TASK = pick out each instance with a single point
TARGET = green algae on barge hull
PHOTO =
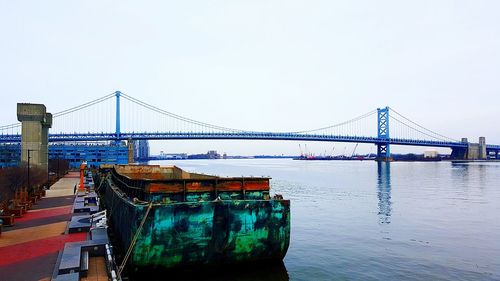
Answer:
(194, 219)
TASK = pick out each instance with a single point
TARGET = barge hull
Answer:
(200, 233)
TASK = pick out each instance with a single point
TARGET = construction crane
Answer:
(369, 153)
(333, 149)
(354, 150)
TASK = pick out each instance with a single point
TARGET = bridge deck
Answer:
(75, 137)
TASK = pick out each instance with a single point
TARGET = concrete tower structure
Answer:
(35, 131)
(482, 148)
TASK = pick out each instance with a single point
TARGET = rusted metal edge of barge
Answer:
(170, 219)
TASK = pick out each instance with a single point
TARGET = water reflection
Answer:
(460, 167)
(471, 171)
(262, 271)
(384, 191)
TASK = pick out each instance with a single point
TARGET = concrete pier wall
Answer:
(474, 151)
(482, 148)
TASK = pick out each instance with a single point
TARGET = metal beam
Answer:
(117, 128)
(383, 149)
(74, 137)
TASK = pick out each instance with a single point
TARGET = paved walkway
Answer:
(28, 250)
(65, 186)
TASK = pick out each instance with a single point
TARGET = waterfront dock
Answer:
(42, 241)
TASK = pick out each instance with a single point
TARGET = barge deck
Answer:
(169, 218)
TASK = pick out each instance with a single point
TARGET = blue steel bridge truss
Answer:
(388, 123)
(90, 137)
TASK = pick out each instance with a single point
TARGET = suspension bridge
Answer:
(118, 116)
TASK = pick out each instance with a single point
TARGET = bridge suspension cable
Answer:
(178, 117)
(100, 115)
(83, 106)
(10, 126)
(363, 126)
(361, 117)
(411, 129)
(93, 116)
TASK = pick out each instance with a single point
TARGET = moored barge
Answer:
(169, 218)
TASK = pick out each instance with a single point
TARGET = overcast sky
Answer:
(260, 65)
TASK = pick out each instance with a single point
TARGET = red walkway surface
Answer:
(28, 251)
(24, 251)
(44, 214)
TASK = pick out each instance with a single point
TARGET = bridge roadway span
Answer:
(241, 136)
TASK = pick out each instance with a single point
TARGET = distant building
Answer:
(172, 156)
(431, 153)
(141, 150)
(10, 155)
(211, 154)
(94, 153)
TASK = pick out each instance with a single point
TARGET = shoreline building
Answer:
(141, 151)
(94, 154)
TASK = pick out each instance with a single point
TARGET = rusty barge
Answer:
(169, 218)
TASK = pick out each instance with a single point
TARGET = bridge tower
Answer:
(117, 127)
(473, 151)
(383, 147)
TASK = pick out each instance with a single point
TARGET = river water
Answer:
(362, 220)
